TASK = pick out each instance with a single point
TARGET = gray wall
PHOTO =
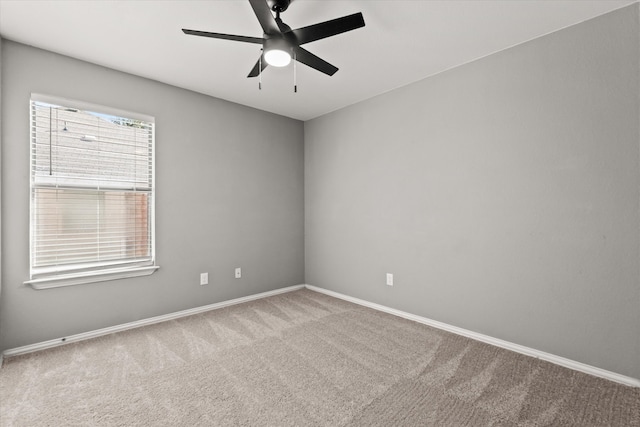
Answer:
(229, 194)
(502, 194)
(0, 173)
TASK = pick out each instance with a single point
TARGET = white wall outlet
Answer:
(238, 272)
(389, 279)
(204, 278)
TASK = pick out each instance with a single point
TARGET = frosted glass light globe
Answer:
(277, 57)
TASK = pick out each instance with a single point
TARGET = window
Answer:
(92, 194)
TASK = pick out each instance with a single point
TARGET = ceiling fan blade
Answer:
(328, 28)
(265, 17)
(255, 71)
(313, 61)
(224, 36)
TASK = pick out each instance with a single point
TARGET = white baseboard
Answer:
(144, 322)
(558, 360)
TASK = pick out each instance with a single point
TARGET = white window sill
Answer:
(90, 277)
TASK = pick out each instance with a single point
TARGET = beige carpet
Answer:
(299, 359)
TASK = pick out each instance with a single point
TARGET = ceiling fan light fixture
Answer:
(277, 57)
(277, 52)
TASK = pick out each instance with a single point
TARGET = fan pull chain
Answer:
(295, 76)
(260, 71)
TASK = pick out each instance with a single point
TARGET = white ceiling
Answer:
(403, 41)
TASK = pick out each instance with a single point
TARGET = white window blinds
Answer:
(92, 191)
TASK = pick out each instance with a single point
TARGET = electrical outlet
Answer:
(238, 273)
(389, 279)
(204, 278)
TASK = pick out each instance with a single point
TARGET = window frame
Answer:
(53, 277)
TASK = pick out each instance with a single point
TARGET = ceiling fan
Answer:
(281, 44)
